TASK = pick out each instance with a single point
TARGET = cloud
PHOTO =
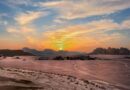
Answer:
(20, 30)
(29, 17)
(126, 24)
(28, 34)
(73, 9)
(23, 26)
(90, 34)
(20, 2)
(94, 26)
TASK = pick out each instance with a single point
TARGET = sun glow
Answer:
(61, 42)
(60, 45)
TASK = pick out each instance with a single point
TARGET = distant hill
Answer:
(51, 53)
(66, 55)
(112, 51)
(6, 52)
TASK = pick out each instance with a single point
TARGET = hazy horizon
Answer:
(69, 25)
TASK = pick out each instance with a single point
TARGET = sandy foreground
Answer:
(27, 75)
(19, 79)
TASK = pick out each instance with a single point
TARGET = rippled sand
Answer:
(19, 79)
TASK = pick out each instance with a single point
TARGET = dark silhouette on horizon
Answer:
(7, 52)
(112, 51)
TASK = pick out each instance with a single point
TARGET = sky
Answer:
(73, 25)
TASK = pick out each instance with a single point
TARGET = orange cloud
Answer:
(78, 37)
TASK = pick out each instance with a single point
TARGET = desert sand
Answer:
(19, 79)
(26, 74)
